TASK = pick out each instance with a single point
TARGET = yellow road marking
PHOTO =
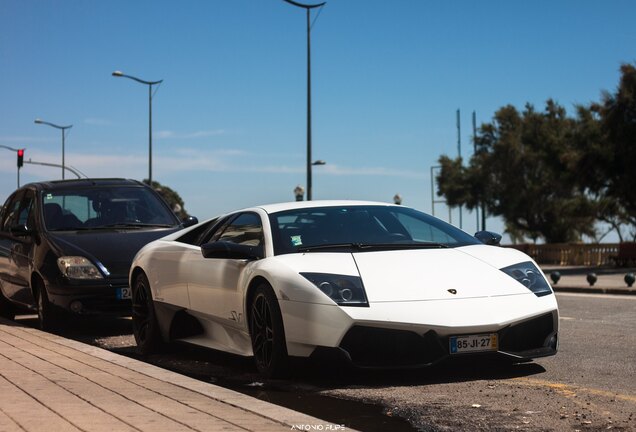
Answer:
(571, 390)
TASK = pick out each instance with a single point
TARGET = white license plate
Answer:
(123, 293)
(473, 343)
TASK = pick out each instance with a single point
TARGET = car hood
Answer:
(423, 274)
(112, 250)
(432, 274)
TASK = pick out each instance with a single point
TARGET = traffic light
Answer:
(20, 158)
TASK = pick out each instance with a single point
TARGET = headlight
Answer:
(528, 275)
(77, 267)
(344, 290)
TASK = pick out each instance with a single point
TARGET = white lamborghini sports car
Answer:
(381, 285)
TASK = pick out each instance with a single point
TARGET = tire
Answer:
(267, 333)
(7, 309)
(144, 318)
(49, 318)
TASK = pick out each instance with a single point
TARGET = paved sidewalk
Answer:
(574, 279)
(50, 384)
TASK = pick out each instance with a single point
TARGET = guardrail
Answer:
(567, 254)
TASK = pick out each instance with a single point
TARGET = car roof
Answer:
(294, 205)
(82, 183)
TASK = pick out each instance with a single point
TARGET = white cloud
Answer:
(8, 140)
(166, 134)
(97, 121)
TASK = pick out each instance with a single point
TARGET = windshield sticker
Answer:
(49, 196)
(296, 240)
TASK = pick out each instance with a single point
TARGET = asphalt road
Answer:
(589, 385)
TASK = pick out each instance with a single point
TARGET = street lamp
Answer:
(63, 128)
(149, 84)
(308, 9)
(299, 191)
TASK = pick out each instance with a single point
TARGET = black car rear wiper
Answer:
(372, 246)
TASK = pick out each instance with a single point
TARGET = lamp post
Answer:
(149, 84)
(308, 9)
(299, 191)
(63, 129)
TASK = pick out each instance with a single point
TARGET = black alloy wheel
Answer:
(6, 308)
(144, 320)
(48, 317)
(267, 333)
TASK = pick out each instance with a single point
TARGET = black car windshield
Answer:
(104, 207)
(361, 228)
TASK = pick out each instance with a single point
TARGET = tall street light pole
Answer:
(63, 129)
(308, 9)
(149, 84)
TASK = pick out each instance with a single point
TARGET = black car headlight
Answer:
(344, 290)
(528, 275)
(78, 267)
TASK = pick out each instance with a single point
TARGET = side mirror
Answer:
(228, 250)
(189, 221)
(488, 238)
(20, 231)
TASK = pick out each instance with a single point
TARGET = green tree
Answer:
(171, 197)
(524, 170)
(616, 162)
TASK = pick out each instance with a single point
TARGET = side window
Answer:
(25, 214)
(194, 235)
(213, 233)
(11, 212)
(246, 229)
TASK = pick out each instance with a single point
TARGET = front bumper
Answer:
(374, 347)
(91, 299)
(404, 334)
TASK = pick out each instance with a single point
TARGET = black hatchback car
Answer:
(67, 245)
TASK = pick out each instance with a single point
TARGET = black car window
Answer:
(104, 206)
(215, 231)
(10, 211)
(194, 235)
(19, 211)
(25, 215)
(246, 229)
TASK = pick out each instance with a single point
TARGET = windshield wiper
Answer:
(133, 225)
(69, 229)
(332, 246)
(372, 246)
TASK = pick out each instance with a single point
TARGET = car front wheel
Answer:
(267, 333)
(144, 319)
(49, 318)
(6, 308)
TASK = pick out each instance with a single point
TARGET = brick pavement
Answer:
(49, 384)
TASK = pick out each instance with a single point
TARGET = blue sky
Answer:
(229, 120)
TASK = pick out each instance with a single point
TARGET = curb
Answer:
(595, 290)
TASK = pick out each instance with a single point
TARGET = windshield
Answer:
(361, 228)
(104, 207)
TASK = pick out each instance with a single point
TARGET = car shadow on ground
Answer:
(115, 334)
(308, 379)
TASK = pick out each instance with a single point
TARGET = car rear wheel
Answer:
(144, 319)
(267, 333)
